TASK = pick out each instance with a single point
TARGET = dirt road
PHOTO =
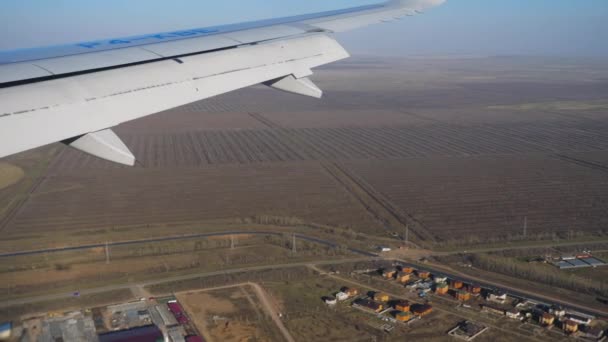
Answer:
(270, 310)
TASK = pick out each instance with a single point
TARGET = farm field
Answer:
(465, 147)
(490, 196)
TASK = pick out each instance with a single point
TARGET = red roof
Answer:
(194, 339)
(178, 312)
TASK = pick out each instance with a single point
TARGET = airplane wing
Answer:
(76, 93)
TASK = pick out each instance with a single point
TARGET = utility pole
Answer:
(107, 253)
(407, 234)
(525, 226)
(293, 244)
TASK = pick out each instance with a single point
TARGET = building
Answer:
(177, 311)
(593, 333)
(421, 309)
(440, 279)
(578, 319)
(194, 339)
(408, 270)
(341, 296)
(475, 289)
(369, 305)
(404, 316)
(493, 309)
(331, 300)
(498, 297)
(424, 274)
(350, 291)
(403, 277)
(570, 326)
(441, 288)
(463, 295)
(149, 333)
(557, 311)
(384, 249)
(457, 284)
(402, 305)
(5, 331)
(547, 319)
(513, 313)
(381, 297)
(389, 274)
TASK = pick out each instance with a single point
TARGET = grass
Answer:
(85, 301)
(9, 175)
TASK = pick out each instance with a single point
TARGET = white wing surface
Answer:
(77, 93)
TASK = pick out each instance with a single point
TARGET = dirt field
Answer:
(232, 314)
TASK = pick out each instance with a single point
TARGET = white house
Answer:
(341, 296)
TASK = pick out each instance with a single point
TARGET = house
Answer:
(424, 274)
(457, 284)
(546, 319)
(570, 326)
(403, 277)
(441, 288)
(440, 279)
(498, 297)
(593, 333)
(408, 270)
(331, 300)
(350, 291)
(578, 319)
(369, 305)
(463, 295)
(421, 309)
(474, 289)
(384, 249)
(513, 313)
(389, 274)
(404, 316)
(493, 309)
(557, 311)
(402, 305)
(381, 297)
(341, 296)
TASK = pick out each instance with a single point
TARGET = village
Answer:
(487, 301)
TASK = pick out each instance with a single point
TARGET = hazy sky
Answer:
(470, 27)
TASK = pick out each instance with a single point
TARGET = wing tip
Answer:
(416, 4)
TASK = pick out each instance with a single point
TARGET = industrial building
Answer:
(146, 333)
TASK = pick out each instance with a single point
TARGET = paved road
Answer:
(83, 292)
(176, 238)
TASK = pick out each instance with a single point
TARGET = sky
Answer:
(459, 27)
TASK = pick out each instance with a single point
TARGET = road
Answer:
(84, 292)
(396, 296)
(265, 302)
(176, 238)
